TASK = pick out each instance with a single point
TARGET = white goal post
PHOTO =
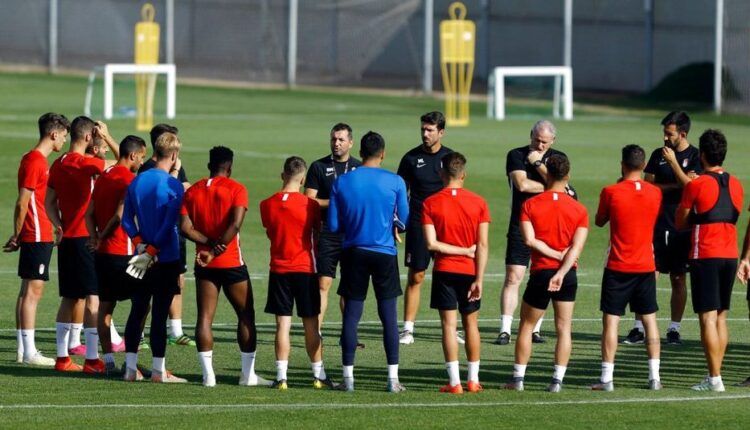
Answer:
(496, 88)
(109, 70)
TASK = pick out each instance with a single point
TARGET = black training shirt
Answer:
(689, 160)
(421, 172)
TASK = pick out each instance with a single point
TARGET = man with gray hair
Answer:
(527, 176)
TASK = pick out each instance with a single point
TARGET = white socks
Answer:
(653, 369)
(409, 326)
(92, 343)
(473, 374)
(674, 325)
(248, 363)
(75, 335)
(159, 365)
(109, 358)
(538, 326)
(505, 323)
(281, 368)
(28, 345)
(393, 371)
(714, 379)
(175, 327)
(519, 370)
(62, 336)
(206, 360)
(131, 360)
(639, 325)
(453, 376)
(608, 372)
(559, 372)
(113, 335)
(318, 371)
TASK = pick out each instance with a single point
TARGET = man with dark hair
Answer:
(68, 194)
(670, 168)
(32, 234)
(363, 206)
(629, 276)
(323, 172)
(710, 206)
(176, 334)
(153, 198)
(113, 248)
(212, 214)
(456, 228)
(292, 220)
(420, 169)
(527, 176)
(554, 227)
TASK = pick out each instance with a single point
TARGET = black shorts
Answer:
(671, 250)
(711, 282)
(450, 291)
(75, 265)
(223, 277)
(329, 252)
(536, 294)
(620, 289)
(357, 265)
(416, 257)
(516, 251)
(284, 289)
(114, 284)
(33, 261)
(183, 254)
(161, 277)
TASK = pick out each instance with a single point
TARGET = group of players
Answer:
(121, 237)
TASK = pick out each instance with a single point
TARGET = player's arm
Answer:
(529, 238)
(671, 158)
(571, 256)
(681, 218)
(522, 183)
(53, 212)
(743, 270)
(102, 131)
(313, 194)
(91, 226)
(235, 224)
(682, 214)
(189, 231)
(602, 214)
(482, 254)
(434, 245)
(19, 215)
(113, 222)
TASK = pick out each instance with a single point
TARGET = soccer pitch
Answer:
(263, 127)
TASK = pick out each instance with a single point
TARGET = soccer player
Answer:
(363, 205)
(320, 178)
(456, 228)
(71, 179)
(292, 220)
(526, 168)
(710, 206)
(420, 169)
(670, 168)
(554, 227)
(212, 214)
(32, 234)
(629, 276)
(176, 334)
(153, 198)
(113, 248)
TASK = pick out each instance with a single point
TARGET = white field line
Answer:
(405, 405)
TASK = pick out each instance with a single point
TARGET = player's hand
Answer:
(556, 282)
(101, 130)
(692, 175)
(139, 264)
(669, 155)
(203, 258)
(534, 156)
(743, 271)
(472, 250)
(11, 245)
(475, 291)
(93, 243)
(58, 235)
(176, 168)
(218, 249)
(562, 254)
(140, 248)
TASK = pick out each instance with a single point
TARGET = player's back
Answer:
(72, 178)
(290, 219)
(109, 190)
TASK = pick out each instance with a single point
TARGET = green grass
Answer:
(265, 126)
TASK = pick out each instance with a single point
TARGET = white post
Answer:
(52, 60)
(718, 60)
(568, 38)
(107, 92)
(568, 94)
(556, 97)
(170, 31)
(499, 94)
(428, 37)
(171, 91)
(291, 59)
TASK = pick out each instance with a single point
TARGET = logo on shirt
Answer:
(420, 163)
(330, 171)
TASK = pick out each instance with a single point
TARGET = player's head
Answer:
(713, 147)
(54, 127)
(633, 158)
(543, 135)
(160, 129)
(82, 131)
(453, 167)
(294, 170)
(432, 128)
(372, 146)
(676, 128)
(341, 140)
(167, 147)
(132, 152)
(558, 168)
(220, 159)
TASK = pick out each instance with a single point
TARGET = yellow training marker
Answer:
(457, 36)
(146, 52)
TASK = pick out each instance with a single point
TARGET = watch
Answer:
(537, 163)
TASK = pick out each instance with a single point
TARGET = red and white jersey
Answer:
(290, 220)
(109, 191)
(209, 204)
(72, 177)
(33, 175)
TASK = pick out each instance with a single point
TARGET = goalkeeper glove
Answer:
(139, 264)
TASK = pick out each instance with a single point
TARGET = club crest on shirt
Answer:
(684, 163)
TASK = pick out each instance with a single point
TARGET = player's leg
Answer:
(653, 349)
(78, 310)
(387, 287)
(355, 280)
(30, 296)
(280, 303)
(417, 259)
(239, 292)
(677, 303)
(509, 300)
(529, 317)
(163, 279)
(324, 286)
(93, 363)
(206, 297)
(19, 335)
(470, 321)
(176, 334)
(746, 382)
(448, 321)
(563, 328)
(139, 308)
(64, 323)
(307, 298)
(610, 323)
(282, 346)
(103, 321)
(327, 260)
(706, 282)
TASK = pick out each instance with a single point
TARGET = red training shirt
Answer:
(33, 175)
(209, 203)
(290, 219)
(632, 208)
(555, 216)
(72, 178)
(456, 214)
(109, 191)
(716, 240)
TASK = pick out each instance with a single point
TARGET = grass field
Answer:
(264, 127)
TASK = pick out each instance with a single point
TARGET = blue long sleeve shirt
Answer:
(152, 206)
(362, 206)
